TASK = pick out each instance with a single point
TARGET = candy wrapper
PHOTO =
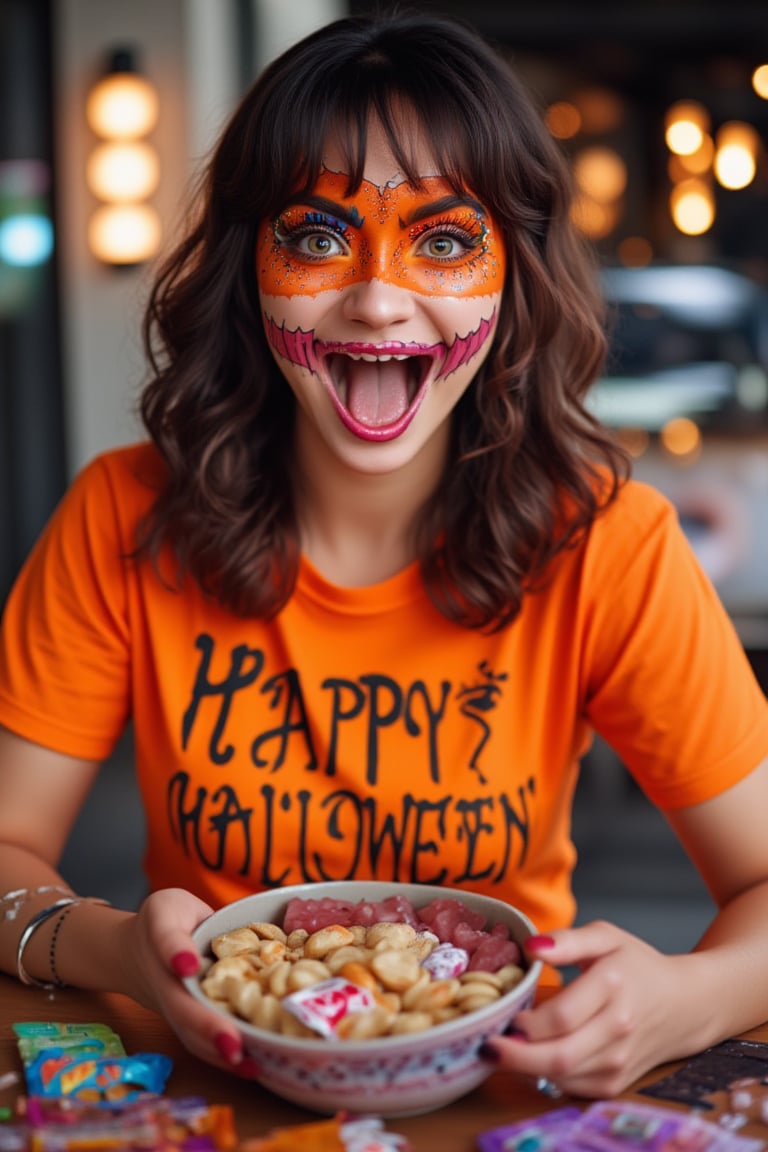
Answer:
(615, 1126)
(446, 961)
(323, 1006)
(623, 1126)
(160, 1124)
(87, 1061)
(74, 1040)
(363, 1134)
(539, 1134)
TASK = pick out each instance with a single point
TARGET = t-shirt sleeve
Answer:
(64, 639)
(669, 684)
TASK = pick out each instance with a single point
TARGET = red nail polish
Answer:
(185, 963)
(538, 942)
(228, 1046)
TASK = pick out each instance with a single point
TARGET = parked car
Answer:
(685, 341)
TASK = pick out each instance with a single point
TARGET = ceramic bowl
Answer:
(390, 1075)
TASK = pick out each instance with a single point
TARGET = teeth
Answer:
(372, 357)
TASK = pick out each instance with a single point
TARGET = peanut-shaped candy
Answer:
(325, 940)
(239, 940)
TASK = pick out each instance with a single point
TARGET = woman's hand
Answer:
(159, 951)
(623, 1014)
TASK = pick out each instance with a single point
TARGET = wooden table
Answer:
(500, 1100)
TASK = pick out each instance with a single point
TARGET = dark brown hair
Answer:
(529, 468)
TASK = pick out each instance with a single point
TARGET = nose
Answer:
(378, 303)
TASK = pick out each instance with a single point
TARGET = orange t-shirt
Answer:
(360, 734)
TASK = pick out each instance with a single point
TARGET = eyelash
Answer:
(289, 235)
(469, 230)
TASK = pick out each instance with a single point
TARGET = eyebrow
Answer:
(352, 217)
(349, 215)
(444, 204)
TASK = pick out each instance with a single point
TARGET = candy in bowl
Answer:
(367, 996)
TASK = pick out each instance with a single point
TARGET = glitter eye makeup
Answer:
(311, 236)
(429, 239)
(450, 239)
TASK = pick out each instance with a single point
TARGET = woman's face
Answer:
(381, 306)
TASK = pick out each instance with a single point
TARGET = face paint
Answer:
(428, 240)
(381, 306)
(300, 347)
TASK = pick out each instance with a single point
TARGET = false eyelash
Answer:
(469, 228)
(309, 222)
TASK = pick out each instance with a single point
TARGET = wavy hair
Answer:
(529, 466)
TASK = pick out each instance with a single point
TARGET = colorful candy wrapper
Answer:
(539, 1134)
(159, 1124)
(362, 1134)
(624, 1126)
(87, 1061)
(615, 1126)
(322, 1006)
(446, 961)
(38, 1036)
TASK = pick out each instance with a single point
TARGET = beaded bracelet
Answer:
(57, 980)
(36, 922)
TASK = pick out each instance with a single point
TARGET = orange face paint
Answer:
(427, 240)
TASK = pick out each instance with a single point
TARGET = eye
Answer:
(450, 241)
(317, 245)
(442, 246)
(313, 237)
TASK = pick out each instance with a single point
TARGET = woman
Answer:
(376, 574)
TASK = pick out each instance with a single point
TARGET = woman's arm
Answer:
(96, 946)
(41, 793)
(631, 1007)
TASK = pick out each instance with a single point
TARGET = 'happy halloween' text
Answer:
(218, 825)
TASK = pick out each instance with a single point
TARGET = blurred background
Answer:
(107, 112)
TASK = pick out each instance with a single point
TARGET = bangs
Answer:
(405, 119)
(330, 87)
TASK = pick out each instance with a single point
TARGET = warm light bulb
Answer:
(692, 207)
(124, 233)
(563, 120)
(123, 172)
(600, 173)
(681, 437)
(735, 152)
(122, 106)
(685, 125)
(760, 81)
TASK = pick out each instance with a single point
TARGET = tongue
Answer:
(377, 393)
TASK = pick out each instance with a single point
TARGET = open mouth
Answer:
(378, 389)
